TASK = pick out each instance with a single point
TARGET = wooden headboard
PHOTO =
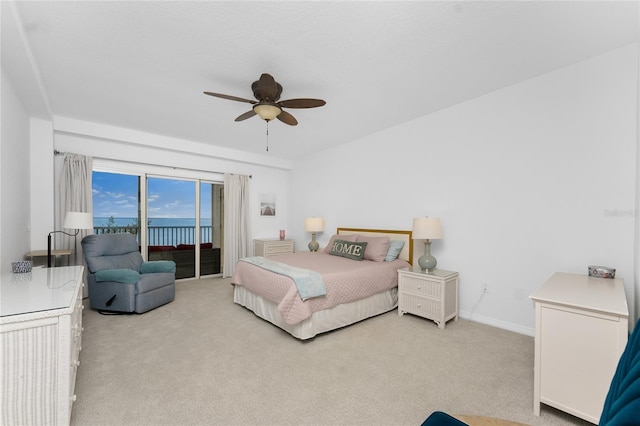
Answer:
(407, 250)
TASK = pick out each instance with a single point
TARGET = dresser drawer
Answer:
(422, 306)
(421, 287)
(273, 249)
(268, 248)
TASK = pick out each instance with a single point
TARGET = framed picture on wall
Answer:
(268, 205)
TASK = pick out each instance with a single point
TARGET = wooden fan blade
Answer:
(266, 89)
(302, 103)
(287, 118)
(246, 115)
(231, 98)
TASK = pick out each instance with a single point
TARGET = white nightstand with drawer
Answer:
(268, 248)
(431, 295)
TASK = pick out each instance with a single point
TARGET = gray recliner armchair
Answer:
(120, 281)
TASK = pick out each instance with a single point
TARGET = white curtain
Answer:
(237, 240)
(75, 196)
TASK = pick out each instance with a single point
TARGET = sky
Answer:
(116, 195)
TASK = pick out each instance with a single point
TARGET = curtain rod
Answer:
(56, 152)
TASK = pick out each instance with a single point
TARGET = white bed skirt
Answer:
(322, 321)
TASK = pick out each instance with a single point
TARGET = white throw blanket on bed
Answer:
(309, 283)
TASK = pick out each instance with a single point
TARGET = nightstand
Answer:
(431, 295)
(268, 248)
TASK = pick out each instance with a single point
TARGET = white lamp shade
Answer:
(426, 228)
(78, 220)
(313, 224)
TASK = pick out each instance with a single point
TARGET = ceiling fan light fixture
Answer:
(267, 111)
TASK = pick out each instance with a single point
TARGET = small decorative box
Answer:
(602, 272)
(21, 266)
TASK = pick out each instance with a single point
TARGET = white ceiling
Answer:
(144, 64)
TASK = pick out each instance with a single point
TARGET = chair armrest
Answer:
(158, 266)
(126, 276)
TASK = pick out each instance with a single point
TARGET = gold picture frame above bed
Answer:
(406, 236)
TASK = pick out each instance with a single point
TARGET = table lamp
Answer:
(73, 220)
(427, 228)
(313, 225)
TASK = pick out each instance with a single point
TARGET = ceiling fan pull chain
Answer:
(267, 135)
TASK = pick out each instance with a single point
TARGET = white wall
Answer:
(527, 180)
(14, 178)
(42, 188)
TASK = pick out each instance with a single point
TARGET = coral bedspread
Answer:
(346, 280)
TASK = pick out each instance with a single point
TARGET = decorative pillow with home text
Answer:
(348, 249)
(334, 237)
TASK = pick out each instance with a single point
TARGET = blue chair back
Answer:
(622, 405)
(111, 251)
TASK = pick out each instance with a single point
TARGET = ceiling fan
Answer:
(267, 92)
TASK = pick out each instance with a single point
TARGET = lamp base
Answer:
(313, 244)
(49, 245)
(426, 261)
(49, 250)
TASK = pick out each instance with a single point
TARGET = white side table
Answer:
(39, 257)
(431, 295)
(268, 248)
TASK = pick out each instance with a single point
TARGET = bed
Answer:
(355, 290)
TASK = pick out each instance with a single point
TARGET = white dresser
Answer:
(581, 332)
(268, 248)
(40, 338)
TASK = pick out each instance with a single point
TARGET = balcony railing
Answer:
(162, 235)
(172, 243)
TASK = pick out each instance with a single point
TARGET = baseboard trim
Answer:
(516, 328)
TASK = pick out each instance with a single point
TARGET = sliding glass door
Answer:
(173, 218)
(171, 223)
(211, 195)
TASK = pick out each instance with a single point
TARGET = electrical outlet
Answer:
(518, 293)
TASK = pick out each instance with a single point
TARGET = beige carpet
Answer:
(202, 360)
